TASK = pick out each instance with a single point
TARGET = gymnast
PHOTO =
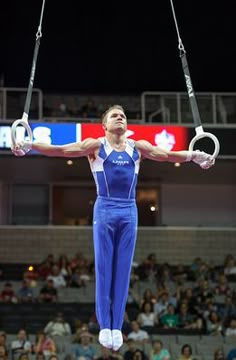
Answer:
(114, 161)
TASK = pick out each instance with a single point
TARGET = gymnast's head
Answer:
(114, 119)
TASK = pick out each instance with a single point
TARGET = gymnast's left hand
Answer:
(204, 160)
(21, 148)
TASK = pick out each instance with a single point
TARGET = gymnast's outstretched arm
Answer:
(77, 149)
(147, 150)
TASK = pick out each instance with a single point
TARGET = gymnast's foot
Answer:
(117, 339)
(105, 338)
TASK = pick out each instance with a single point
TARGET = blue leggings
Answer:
(114, 238)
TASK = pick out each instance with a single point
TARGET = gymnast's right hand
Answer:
(21, 148)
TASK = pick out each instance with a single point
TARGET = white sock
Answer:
(105, 338)
(117, 339)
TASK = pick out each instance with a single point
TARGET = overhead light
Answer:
(69, 162)
(177, 164)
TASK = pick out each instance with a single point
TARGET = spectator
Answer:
(165, 275)
(148, 268)
(25, 294)
(148, 296)
(222, 286)
(7, 295)
(84, 348)
(44, 269)
(126, 327)
(219, 354)
(231, 354)
(133, 298)
(48, 293)
(186, 353)
(78, 261)
(229, 308)
(89, 109)
(138, 355)
(157, 351)
(58, 326)
(187, 320)
(231, 328)
(161, 304)
(21, 344)
(83, 328)
(57, 277)
(147, 317)
(230, 267)
(3, 340)
(76, 279)
(169, 319)
(64, 267)
(40, 356)
(179, 274)
(137, 334)
(214, 324)
(107, 354)
(3, 352)
(132, 347)
(44, 344)
(53, 357)
(23, 356)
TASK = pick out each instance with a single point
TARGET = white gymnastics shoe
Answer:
(117, 339)
(105, 338)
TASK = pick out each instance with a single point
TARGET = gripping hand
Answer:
(203, 159)
(22, 148)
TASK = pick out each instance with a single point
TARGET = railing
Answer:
(12, 102)
(174, 107)
(216, 109)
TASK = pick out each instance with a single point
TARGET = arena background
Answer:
(109, 53)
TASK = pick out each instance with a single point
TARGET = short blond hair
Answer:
(104, 115)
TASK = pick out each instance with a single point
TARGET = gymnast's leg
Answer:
(124, 242)
(103, 251)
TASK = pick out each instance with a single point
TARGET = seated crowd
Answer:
(162, 299)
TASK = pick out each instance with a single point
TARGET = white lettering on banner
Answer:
(5, 136)
(189, 86)
(42, 134)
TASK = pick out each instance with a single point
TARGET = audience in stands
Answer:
(58, 326)
(25, 294)
(7, 295)
(3, 352)
(195, 299)
(146, 317)
(137, 334)
(186, 353)
(64, 267)
(158, 352)
(48, 292)
(219, 354)
(44, 344)
(57, 277)
(231, 328)
(83, 348)
(21, 344)
(107, 354)
(214, 324)
(169, 319)
(132, 347)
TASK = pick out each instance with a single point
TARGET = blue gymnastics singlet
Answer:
(115, 173)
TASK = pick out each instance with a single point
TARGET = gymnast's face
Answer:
(115, 121)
